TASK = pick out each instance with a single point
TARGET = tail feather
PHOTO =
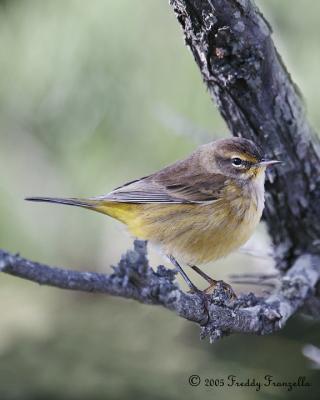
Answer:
(87, 203)
(123, 212)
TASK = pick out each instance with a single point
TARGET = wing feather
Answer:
(183, 182)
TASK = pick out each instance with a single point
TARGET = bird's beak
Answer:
(268, 163)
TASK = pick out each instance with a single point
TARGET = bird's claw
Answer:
(221, 285)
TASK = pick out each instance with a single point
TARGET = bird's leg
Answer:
(213, 282)
(192, 287)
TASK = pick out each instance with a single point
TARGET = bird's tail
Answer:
(123, 212)
(86, 203)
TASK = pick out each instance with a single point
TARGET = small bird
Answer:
(196, 210)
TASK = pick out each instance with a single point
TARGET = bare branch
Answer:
(217, 314)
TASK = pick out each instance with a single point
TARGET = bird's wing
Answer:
(173, 186)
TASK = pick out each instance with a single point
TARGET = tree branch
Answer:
(231, 43)
(217, 314)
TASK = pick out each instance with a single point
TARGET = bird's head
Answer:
(237, 158)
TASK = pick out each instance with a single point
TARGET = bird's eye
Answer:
(237, 162)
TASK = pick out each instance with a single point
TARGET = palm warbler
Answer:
(198, 209)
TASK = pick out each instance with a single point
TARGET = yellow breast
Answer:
(195, 233)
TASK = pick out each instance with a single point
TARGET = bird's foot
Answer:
(221, 285)
(215, 285)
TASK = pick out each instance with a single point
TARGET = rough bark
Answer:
(217, 314)
(231, 43)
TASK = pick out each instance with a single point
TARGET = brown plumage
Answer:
(198, 209)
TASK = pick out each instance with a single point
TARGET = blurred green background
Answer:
(93, 94)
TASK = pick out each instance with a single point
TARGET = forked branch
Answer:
(231, 43)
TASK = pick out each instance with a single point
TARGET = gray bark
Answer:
(231, 43)
(217, 314)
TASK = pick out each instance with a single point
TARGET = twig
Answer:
(313, 354)
(254, 279)
(257, 253)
